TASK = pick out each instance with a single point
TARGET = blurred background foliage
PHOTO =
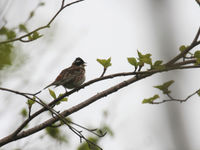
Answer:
(158, 29)
(6, 50)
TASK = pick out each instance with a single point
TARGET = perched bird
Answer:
(71, 77)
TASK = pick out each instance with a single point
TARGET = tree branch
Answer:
(104, 71)
(190, 47)
(177, 100)
(73, 109)
(171, 65)
(21, 38)
(142, 74)
(60, 116)
(17, 134)
(198, 2)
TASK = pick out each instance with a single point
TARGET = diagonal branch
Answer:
(18, 133)
(177, 100)
(74, 130)
(73, 109)
(60, 116)
(198, 2)
(141, 73)
(21, 38)
(194, 43)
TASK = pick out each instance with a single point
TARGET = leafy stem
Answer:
(27, 35)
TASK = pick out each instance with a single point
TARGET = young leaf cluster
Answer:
(163, 87)
(150, 100)
(145, 59)
(53, 95)
(9, 33)
(24, 112)
(23, 28)
(197, 56)
(182, 48)
(30, 102)
(105, 62)
(7, 48)
(34, 36)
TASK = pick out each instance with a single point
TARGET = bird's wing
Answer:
(66, 75)
(58, 79)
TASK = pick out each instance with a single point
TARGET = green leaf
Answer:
(132, 61)
(85, 146)
(35, 36)
(164, 87)
(182, 48)
(24, 112)
(52, 93)
(29, 37)
(8, 32)
(144, 58)
(65, 99)
(158, 65)
(6, 51)
(198, 61)
(3, 31)
(55, 134)
(68, 120)
(150, 100)
(197, 54)
(105, 62)
(30, 102)
(139, 54)
(11, 34)
(198, 93)
(23, 28)
(32, 13)
(108, 130)
(41, 4)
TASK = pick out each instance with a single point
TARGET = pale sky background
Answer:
(101, 29)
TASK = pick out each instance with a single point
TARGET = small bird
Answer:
(71, 77)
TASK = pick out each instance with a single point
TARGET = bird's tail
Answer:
(47, 87)
(44, 89)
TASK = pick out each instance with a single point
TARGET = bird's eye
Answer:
(78, 61)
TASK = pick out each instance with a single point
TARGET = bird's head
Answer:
(79, 62)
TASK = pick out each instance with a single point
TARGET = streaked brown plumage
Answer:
(71, 77)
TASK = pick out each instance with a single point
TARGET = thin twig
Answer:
(143, 73)
(177, 100)
(67, 112)
(17, 92)
(21, 38)
(104, 71)
(74, 130)
(89, 130)
(60, 116)
(194, 43)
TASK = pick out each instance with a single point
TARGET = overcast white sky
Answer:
(101, 29)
